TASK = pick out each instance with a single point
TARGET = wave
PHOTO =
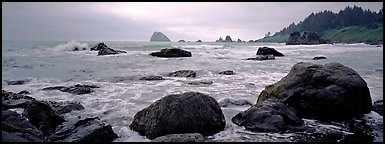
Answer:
(71, 46)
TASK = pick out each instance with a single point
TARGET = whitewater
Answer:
(121, 94)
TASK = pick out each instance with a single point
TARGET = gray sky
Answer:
(137, 21)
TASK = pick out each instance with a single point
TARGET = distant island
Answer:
(159, 37)
(351, 25)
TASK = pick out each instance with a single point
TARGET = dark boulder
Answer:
(268, 51)
(109, 51)
(77, 89)
(198, 41)
(190, 112)
(228, 39)
(12, 100)
(200, 82)
(378, 106)
(18, 82)
(24, 92)
(190, 137)
(83, 130)
(268, 116)
(99, 46)
(227, 102)
(239, 40)
(319, 57)
(152, 78)
(227, 72)
(43, 117)
(171, 52)
(182, 73)
(262, 57)
(326, 92)
(16, 128)
(181, 41)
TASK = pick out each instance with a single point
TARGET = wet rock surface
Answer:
(150, 78)
(191, 137)
(171, 52)
(77, 89)
(227, 72)
(262, 57)
(378, 107)
(231, 102)
(268, 51)
(183, 73)
(189, 112)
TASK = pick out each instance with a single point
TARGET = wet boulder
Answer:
(12, 100)
(109, 51)
(326, 92)
(190, 137)
(77, 89)
(43, 117)
(99, 46)
(189, 112)
(268, 51)
(83, 130)
(18, 82)
(183, 73)
(228, 102)
(268, 116)
(227, 72)
(171, 52)
(319, 57)
(16, 128)
(378, 106)
(64, 107)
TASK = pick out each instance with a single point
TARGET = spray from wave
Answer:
(71, 46)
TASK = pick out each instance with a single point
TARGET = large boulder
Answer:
(43, 117)
(308, 38)
(268, 51)
(159, 37)
(16, 128)
(183, 73)
(190, 112)
(12, 100)
(268, 116)
(171, 52)
(228, 102)
(326, 92)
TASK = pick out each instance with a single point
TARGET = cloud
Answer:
(137, 21)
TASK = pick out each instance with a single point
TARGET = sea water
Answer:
(121, 94)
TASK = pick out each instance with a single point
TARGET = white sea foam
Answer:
(71, 46)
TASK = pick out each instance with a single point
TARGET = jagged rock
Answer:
(160, 37)
(99, 46)
(220, 40)
(190, 112)
(152, 78)
(319, 57)
(268, 116)
(228, 39)
(268, 51)
(188, 137)
(308, 38)
(171, 52)
(198, 41)
(83, 130)
(326, 92)
(43, 117)
(181, 41)
(24, 92)
(18, 82)
(250, 41)
(239, 40)
(12, 100)
(227, 102)
(76, 89)
(228, 72)
(262, 57)
(378, 107)
(16, 128)
(182, 73)
(109, 51)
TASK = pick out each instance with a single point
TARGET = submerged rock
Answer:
(181, 41)
(262, 57)
(326, 92)
(64, 107)
(83, 130)
(18, 82)
(319, 57)
(159, 37)
(308, 38)
(76, 89)
(152, 78)
(99, 46)
(190, 112)
(268, 116)
(227, 102)
(189, 137)
(227, 72)
(378, 107)
(268, 51)
(198, 41)
(171, 52)
(200, 82)
(109, 51)
(183, 73)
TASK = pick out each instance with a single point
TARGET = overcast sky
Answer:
(130, 21)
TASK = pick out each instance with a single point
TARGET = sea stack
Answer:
(228, 39)
(159, 37)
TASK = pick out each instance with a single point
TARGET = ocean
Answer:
(121, 94)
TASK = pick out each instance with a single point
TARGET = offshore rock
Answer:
(183, 73)
(159, 37)
(325, 92)
(152, 78)
(220, 40)
(227, 72)
(268, 51)
(228, 39)
(190, 112)
(262, 57)
(319, 57)
(308, 38)
(171, 52)
(76, 89)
